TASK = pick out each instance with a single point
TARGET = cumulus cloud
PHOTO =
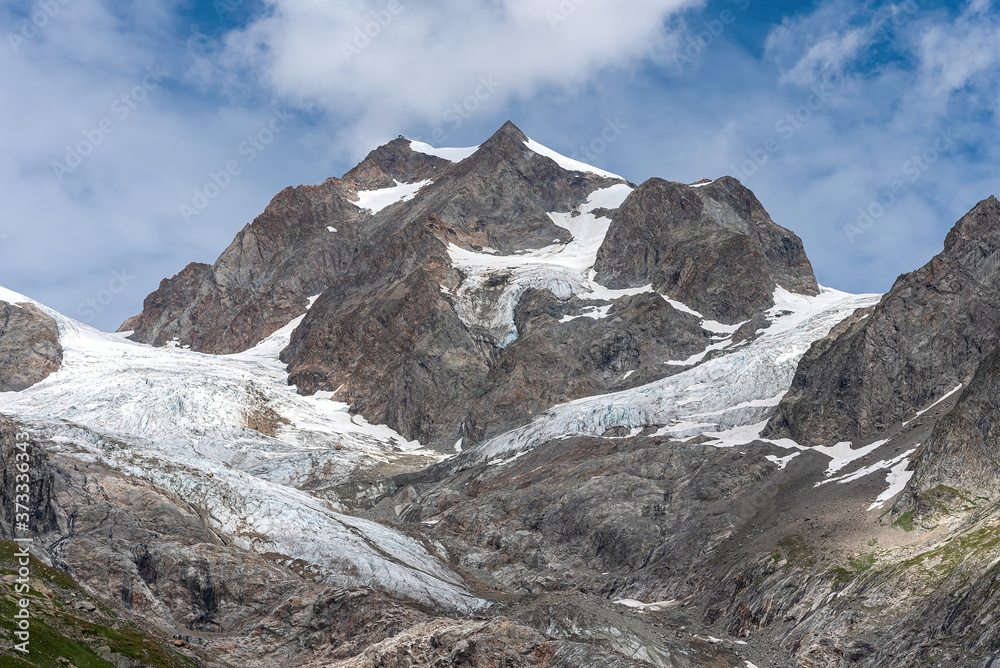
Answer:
(386, 62)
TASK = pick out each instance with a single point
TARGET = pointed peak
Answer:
(981, 222)
(508, 129)
(511, 137)
(508, 135)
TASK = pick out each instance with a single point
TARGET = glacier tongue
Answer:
(730, 395)
(179, 419)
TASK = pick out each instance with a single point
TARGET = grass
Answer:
(905, 521)
(857, 565)
(60, 637)
(797, 550)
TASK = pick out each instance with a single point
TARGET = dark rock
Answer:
(714, 248)
(39, 472)
(390, 344)
(961, 460)
(29, 346)
(928, 334)
(499, 197)
(263, 280)
(552, 361)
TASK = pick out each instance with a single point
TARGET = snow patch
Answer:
(450, 154)
(14, 298)
(897, 478)
(376, 200)
(564, 269)
(647, 607)
(782, 462)
(942, 399)
(568, 164)
(843, 454)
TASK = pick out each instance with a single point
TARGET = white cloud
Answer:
(828, 42)
(954, 54)
(828, 58)
(386, 62)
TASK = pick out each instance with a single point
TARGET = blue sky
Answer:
(868, 128)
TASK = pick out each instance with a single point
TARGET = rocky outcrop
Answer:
(37, 468)
(299, 246)
(390, 344)
(712, 247)
(262, 281)
(554, 360)
(387, 337)
(29, 346)
(391, 163)
(308, 236)
(927, 336)
(482, 644)
(385, 334)
(499, 198)
(959, 466)
(398, 353)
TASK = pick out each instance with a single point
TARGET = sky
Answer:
(139, 137)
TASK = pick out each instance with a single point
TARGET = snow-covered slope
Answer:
(729, 396)
(376, 200)
(562, 267)
(568, 163)
(450, 154)
(181, 420)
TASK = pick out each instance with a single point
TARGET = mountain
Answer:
(712, 247)
(926, 337)
(426, 331)
(29, 345)
(493, 406)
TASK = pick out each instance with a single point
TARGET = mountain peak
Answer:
(508, 129)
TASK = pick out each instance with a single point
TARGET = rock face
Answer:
(961, 460)
(40, 489)
(553, 361)
(712, 247)
(387, 333)
(289, 253)
(391, 345)
(386, 337)
(29, 346)
(928, 335)
(498, 198)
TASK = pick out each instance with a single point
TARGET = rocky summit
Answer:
(492, 406)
